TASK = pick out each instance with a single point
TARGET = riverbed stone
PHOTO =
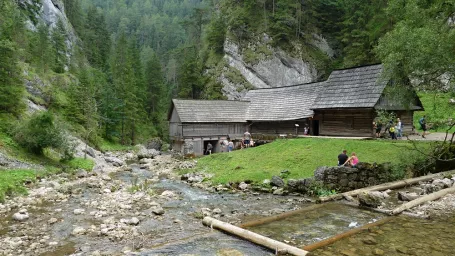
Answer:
(158, 210)
(52, 221)
(114, 161)
(277, 181)
(278, 191)
(371, 198)
(369, 240)
(81, 173)
(378, 252)
(228, 252)
(22, 215)
(78, 211)
(406, 196)
(79, 231)
(243, 186)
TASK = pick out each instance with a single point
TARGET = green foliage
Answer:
(439, 111)
(11, 87)
(421, 41)
(80, 163)
(300, 156)
(106, 145)
(12, 182)
(42, 131)
(58, 39)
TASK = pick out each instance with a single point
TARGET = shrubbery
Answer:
(43, 131)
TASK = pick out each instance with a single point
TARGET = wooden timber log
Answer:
(348, 233)
(253, 237)
(385, 186)
(423, 199)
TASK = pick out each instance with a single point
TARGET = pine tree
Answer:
(11, 86)
(155, 87)
(58, 40)
(96, 39)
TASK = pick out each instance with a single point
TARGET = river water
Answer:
(180, 231)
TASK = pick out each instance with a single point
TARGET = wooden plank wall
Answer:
(346, 122)
(407, 118)
(277, 128)
(212, 129)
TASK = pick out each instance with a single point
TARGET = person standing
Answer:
(230, 146)
(343, 158)
(423, 125)
(399, 128)
(247, 138)
(392, 132)
(209, 148)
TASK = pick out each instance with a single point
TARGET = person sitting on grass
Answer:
(342, 158)
(352, 161)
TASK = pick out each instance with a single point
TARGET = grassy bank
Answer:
(437, 109)
(301, 157)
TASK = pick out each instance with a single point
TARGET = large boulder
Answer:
(147, 153)
(155, 143)
(277, 181)
(371, 198)
(301, 185)
(114, 161)
(405, 196)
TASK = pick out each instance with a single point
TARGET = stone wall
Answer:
(344, 179)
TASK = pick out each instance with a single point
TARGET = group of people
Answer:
(228, 144)
(345, 160)
(395, 129)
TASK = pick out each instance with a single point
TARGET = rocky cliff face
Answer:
(49, 12)
(260, 65)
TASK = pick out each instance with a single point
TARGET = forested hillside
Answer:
(107, 69)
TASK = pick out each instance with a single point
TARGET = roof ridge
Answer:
(362, 66)
(246, 101)
(286, 86)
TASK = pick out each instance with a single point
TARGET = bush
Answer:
(42, 131)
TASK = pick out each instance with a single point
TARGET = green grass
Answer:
(437, 109)
(300, 156)
(80, 163)
(112, 146)
(11, 182)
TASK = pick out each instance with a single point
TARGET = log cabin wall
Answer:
(346, 122)
(234, 130)
(277, 128)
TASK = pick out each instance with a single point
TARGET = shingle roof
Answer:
(211, 111)
(359, 87)
(282, 103)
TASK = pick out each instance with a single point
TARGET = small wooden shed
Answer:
(195, 123)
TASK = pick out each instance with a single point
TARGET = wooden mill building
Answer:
(343, 105)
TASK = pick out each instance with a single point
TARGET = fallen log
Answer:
(423, 199)
(279, 216)
(348, 233)
(385, 186)
(253, 237)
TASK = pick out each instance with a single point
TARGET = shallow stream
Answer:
(180, 231)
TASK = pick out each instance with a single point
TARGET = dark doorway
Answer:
(213, 142)
(315, 127)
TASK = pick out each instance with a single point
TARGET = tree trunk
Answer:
(423, 199)
(277, 246)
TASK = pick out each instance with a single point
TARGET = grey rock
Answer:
(158, 210)
(147, 153)
(217, 211)
(371, 198)
(278, 191)
(243, 186)
(22, 215)
(78, 231)
(114, 161)
(81, 173)
(277, 181)
(155, 144)
(78, 211)
(90, 152)
(405, 196)
(52, 221)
